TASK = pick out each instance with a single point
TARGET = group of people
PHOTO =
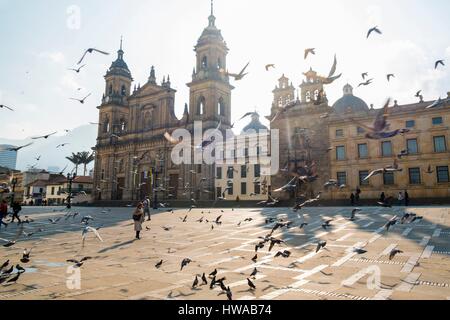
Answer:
(402, 198)
(16, 208)
(355, 197)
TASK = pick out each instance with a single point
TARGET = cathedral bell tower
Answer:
(210, 89)
(283, 94)
(114, 110)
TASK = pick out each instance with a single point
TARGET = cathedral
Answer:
(132, 155)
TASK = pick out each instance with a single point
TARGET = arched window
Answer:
(201, 106)
(123, 90)
(123, 125)
(106, 126)
(308, 96)
(280, 102)
(219, 64)
(204, 62)
(221, 107)
(147, 120)
(316, 95)
(110, 89)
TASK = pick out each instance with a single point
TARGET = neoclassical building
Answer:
(332, 136)
(133, 120)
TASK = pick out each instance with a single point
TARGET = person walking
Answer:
(383, 197)
(400, 198)
(406, 198)
(147, 208)
(138, 218)
(16, 208)
(358, 195)
(3, 212)
(352, 199)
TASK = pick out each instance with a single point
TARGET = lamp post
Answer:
(14, 183)
(70, 178)
(154, 186)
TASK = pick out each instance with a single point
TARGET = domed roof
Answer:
(255, 124)
(119, 67)
(350, 103)
(211, 33)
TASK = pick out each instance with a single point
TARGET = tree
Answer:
(75, 159)
(85, 159)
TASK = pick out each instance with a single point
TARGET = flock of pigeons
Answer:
(270, 241)
(8, 276)
(47, 136)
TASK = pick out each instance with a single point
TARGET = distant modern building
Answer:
(8, 158)
(54, 169)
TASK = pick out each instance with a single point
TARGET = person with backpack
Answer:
(16, 208)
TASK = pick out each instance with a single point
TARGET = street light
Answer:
(70, 178)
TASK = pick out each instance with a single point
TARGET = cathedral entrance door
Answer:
(120, 187)
(173, 184)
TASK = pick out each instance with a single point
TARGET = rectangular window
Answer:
(199, 168)
(442, 174)
(219, 173)
(339, 133)
(414, 176)
(219, 192)
(81, 187)
(230, 173)
(243, 171)
(360, 131)
(257, 188)
(53, 191)
(340, 153)
(413, 148)
(386, 149)
(257, 170)
(388, 179)
(363, 151)
(230, 191)
(246, 152)
(437, 121)
(410, 123)
(440, 144)
(362, 176)
(342, 178)
(243, 188)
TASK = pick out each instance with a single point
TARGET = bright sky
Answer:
(38, 46)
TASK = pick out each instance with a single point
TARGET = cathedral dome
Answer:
(119, 67)
(211, 33)
(349, 102)
(255, 124)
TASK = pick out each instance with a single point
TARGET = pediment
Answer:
(148, 89)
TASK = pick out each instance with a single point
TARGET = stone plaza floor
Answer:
(123, 268)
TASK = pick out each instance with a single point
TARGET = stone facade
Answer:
(313, 131)
(132, 155)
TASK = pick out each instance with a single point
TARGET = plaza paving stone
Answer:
(123, 268)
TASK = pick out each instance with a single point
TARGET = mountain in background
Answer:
(80, 139)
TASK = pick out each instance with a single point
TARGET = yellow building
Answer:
(422, 153)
